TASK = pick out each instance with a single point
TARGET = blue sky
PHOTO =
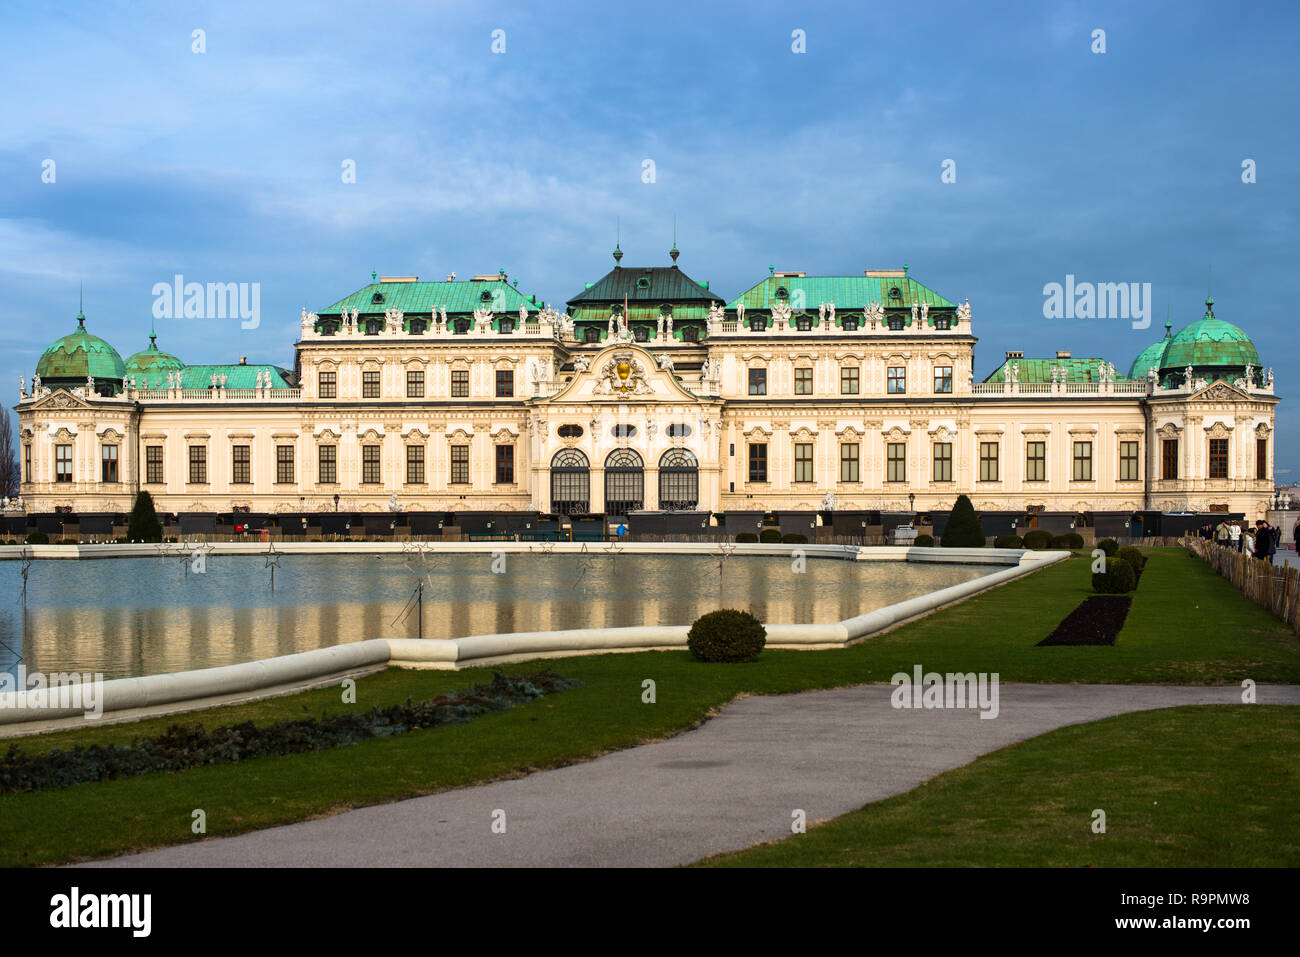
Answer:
(225, 166)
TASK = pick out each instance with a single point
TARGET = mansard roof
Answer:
(848, 293)
(657, 284)
(456, 296)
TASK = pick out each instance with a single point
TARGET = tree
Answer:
(9, 473)
(963, 528)
(143, 525)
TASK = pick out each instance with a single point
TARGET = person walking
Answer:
(1248, 542)
(1234, 536)
(1262, 540)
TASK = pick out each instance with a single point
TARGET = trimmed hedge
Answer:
(1068, 540)
(794, 538)
(770, 536)
(1109, 546)
(1117, 579)
(923, 541)
(1135, 559)
(1038, 539)
(37, 538)
(1008, 541)
(143, 525)
(963, 528)
(746, 537)
(727, 635)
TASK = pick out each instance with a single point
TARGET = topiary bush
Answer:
(1117, 579)
(1038, 539)
(728, 635)
(1136, 560)
(1109, 546)
(963, 528)
(1008, 541)
(794, 538)
(923, 541)
(770, 535)
(143, 524)
(37, 538)
(746, 537)
(1068, 540)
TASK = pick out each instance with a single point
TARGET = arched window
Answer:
(570, 483)
(624, 482)
(679, 480)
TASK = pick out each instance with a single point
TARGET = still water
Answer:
(142, 616)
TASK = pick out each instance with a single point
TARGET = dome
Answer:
(1150, 357)
(77, 355)
(151, 365)
(1210, 344)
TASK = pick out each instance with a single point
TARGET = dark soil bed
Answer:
(1096, 621)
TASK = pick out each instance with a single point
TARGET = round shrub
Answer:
(728, 635)
(795, 538)
(770, 536)
(37, 538)
(746, 537)
(923, 541)
(963, 527)
(1135, 559)
(1117, 579)
(1008, 541)
(1068, 540)
(1038, 539)
(1109, 546)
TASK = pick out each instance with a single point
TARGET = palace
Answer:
(651, 393)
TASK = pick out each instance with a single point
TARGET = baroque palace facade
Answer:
(650, 392)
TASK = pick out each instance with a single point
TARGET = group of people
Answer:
(1260, 542)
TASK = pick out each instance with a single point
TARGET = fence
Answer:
(1275, 588)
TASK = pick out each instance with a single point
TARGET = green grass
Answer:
(1183, 787)
(1187, 626)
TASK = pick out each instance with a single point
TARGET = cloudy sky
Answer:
(227, 165)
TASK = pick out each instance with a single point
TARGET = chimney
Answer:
(1063, 354)
(243, 360)
(1015, 355)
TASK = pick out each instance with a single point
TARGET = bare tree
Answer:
(9, 474)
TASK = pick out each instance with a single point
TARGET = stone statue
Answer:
(213, 379)
(523, 316)
(442, 317)
(704, 369)
(828, 503)
(1269, 377)
(925, 312)
(666, 362)
(668, 325)
(613, 321)
(781, 312)
(821, 311)
(22, 387)
(580, 363)
(392, 503)
(1250, 374)
(90, 384)
(221, 381)
(1187, 376)
(740, 312)
(1015, 372)
(830, 312)
(875, 312)
(915, 312)
(1153, 374)
(963, 312)
(659, 327)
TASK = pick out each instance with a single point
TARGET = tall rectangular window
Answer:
(284, 464)
(460, 464)
(198, 464)
(153, 464)
(896, 462)
(505, 383)
(758, 462)
(803, 462)
(942, 379)
(27, 462)
(415, 465)
(370, 385)
(1035, 461)
(459, 383)
(505, 464)
(1218, 458)
(327, 458)
(63, 463)
(849, 380)
(988, 461)
(371, 471)
(241, 467)
(415, 383)
(1261, 459)
(1128, 461)
(1083, 461)
(803, 381)
(849, 462)
(328, 385)
(897, 382)
(108, 463)
(943, 461)
(1169, 459)
(758, 382)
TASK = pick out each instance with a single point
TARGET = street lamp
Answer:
(911, 501)
(336, 501)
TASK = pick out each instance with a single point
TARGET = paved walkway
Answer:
(724, 786)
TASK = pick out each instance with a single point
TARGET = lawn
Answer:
(1187, 626)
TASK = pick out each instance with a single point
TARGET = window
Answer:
(896, 323)
(1218, 458)
(803, 462)
(415, 465)
(198, 464)
(988, 461)
(569, 431)
(27, 462)
(370, 385)
(1169, 459)
(415, 383)
(373, 326)
(1128, 461)
(591, 334)
(896, 462)
(849, 323)
(758, 462)
(328, 385)
(803, 323)
(460, 464)
(459, 383)
(942, 323)
(371, 472)
(942, 379)
(623, 431)
(641, 333)
(803, 381)
(328, 462)
(284, 464)
(757, 324)
(108, 463)
(505, 325)
(153, 464)
(680, 430)
(849, 462)
(505, 464)
(849, 380)
(1083, 461)
(63, 463)
(505, 383)
(758, 382)
(416, 327)
(241, 472)
(691, 334)
(897, 380)
(461, 326)
(1261, 459)
(1035, 461)
(943, 461)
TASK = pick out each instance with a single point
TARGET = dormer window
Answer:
(943, 322)
(591, 334)
(757, 324)
(895, 292)
(782, 292)
(665, 310)
(849, 323)
(643, 283)
(803, 323)
(373, 327)
(462, 327)
(690, 334)
(377, 297)
(896, 323)
(506, 325)
(641, 333)
(485, 296)
(417, 327)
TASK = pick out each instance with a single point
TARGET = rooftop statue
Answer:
(963, 312)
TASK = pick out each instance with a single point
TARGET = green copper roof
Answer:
(655, 284)
(848, 293)
(77, 355)
(461, 296)
(1040, 370)
(1210, 343)
(152, 361)
(237, 376)
(1151, 356)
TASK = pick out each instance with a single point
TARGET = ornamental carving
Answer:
(622, 374)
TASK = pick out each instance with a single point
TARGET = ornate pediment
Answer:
(59, 399)
(622, 372)
(1220, 391)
